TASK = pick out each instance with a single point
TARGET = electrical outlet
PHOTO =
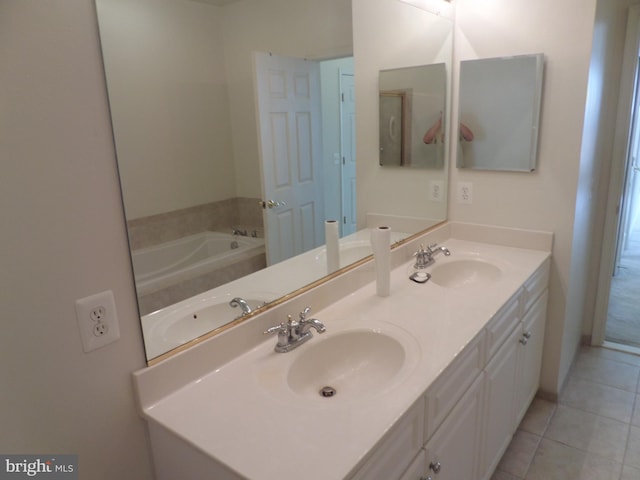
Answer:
(98, 320)
(465, 192)
(436, 190)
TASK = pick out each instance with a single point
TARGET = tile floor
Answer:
(592, 433)
(624, 309)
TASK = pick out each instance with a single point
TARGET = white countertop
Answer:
(240, 415)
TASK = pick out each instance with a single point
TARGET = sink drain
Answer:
(327, 392)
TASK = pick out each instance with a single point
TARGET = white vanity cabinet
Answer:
(471, 366)
(476, 404)
(512, 375)
(530, 356)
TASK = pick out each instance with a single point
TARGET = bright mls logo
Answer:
(50, 467)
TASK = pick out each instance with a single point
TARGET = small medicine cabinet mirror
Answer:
(412, 106)
(499, 111)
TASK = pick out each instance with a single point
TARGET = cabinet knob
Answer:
(523, 341)
(526, 334)
(426, 478)
(435, 467)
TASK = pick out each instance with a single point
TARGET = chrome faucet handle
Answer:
(281, 327)
(303, 314)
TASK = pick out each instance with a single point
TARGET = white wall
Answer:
(63, 238)
(390, 34)
(168, 93)
(545, 199)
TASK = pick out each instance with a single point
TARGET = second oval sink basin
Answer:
(354, 364)
(465, 272)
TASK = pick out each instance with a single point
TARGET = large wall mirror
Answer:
(223, 112)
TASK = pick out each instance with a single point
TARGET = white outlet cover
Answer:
(465, 193)
(96, 333)
(436, 191)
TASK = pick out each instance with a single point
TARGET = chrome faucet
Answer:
(237, 231)
(293, 333)
(424, 257)
(242, 303)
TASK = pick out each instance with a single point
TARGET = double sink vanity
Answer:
(429, 382)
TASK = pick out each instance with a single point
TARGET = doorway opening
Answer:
(617, 321)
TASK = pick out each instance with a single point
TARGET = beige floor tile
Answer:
(537, 417)
(635, 418)
(519, 453)
(599, 399)
(632, 455)
(630, 473)
(498, 475)
(606, 371)
(622, 357)
(589, 432)
(555, 461)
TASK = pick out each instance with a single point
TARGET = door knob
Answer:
(271, 204)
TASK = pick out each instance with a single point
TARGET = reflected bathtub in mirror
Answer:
(499, 113)
(178, 269)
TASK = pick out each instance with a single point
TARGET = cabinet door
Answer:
(452, 453)
(416, 469)
(398, 449)
(499, 411)
(530, 355)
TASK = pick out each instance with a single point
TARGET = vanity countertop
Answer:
(243, 415)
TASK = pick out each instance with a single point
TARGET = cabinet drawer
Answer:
(391, 457)
(503, 323)
(536, 284)
(452, 383)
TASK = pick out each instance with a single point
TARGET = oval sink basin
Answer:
(354, 364)
(462, 273)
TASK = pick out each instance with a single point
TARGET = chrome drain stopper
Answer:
(327, 391)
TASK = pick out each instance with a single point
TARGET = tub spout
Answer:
(240, 302)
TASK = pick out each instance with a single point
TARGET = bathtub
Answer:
(170, 263)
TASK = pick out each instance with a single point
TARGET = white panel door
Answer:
(289, 123)
(348, 152)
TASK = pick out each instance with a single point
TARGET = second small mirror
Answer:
(412, 106)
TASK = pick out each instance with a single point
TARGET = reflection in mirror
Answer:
(184, 103)
(499, 112)
(412, 106)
